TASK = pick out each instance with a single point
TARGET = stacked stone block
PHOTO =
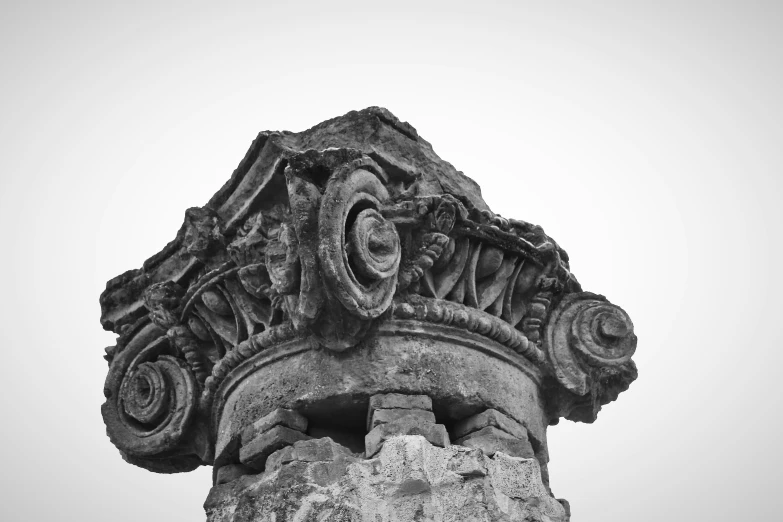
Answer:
(491, 432)
(393, 414)
(270, 433)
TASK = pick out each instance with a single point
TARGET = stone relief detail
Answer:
(203, 237)
(449, 314)
(590, 343)
(317, 241)
(151, 402)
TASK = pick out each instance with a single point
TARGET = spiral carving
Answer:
(151, 400)
(373, 246)
(144, 395)
(586, 331)
(359, 250)
(157, 403)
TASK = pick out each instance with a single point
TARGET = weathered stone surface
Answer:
(346, 279)
(280, 458)
(409, 480)
(312, 450)
(407, 425)
(489, 418)
(469, 463)
(491, 440)
(279, 417)
(517, 478)
(400, 401)
(386, 416)
(231, 472)
(461, 379)
(254, 453)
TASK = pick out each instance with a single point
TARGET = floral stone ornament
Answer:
(346, 332)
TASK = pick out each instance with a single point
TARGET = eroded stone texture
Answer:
(489, 418)
(394, 414)
(407, 425)
(491, 440)
(491, 432)
(255, 451)
(345, 331)
(312, 450)
(270, 433)
(409, 480)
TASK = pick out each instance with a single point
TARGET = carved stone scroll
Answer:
(359, 249)
(590, 343)
(151, 401)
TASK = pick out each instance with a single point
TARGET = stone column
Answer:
(346, 332)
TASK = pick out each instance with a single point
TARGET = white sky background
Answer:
(646, 138)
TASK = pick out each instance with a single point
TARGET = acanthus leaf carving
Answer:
(164, 300)
(331, 261)
(203, 235)
(430, 248)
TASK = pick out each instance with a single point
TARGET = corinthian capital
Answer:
(337, 266)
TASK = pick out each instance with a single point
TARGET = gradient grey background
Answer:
(644, 136)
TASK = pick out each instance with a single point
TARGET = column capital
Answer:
(337, 264)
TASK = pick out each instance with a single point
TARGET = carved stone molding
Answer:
(349, 252)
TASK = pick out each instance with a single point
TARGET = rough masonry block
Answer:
(436, 434)
(231, 472)
(491, 440)
(386, 416)
(279, 417)
(398, 400)
(312, 450)
(489, 418)
(255, 452)
(468, 463)
(395, 401)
